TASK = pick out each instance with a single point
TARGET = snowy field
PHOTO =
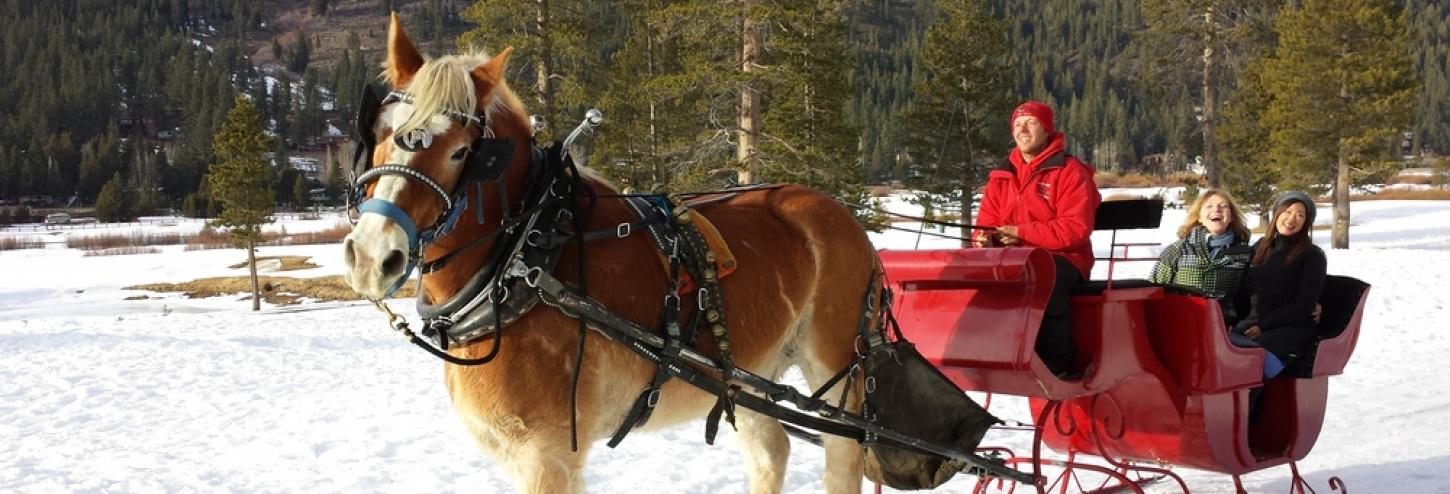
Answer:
(101, 394)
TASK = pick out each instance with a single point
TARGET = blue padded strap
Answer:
(393, 212)
(447, 224)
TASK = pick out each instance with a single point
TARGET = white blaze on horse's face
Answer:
(377, 250)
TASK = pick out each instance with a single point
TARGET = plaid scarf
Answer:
(1190, 262)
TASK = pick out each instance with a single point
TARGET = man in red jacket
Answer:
(1042, 197)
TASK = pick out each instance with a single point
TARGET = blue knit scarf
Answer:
(1217, 243)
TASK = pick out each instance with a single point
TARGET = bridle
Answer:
(486, 161)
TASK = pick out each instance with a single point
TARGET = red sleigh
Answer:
(1162, 384)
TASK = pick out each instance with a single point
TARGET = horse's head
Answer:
(444, 123)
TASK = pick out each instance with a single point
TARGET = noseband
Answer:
(486, 161)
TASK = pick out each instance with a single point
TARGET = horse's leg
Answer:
(545, 470)
(843, 455)
(535, 454)
(766, 448)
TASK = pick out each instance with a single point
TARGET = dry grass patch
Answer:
(1129, 181)
(206, 239)
(16, 243)
(121, 251)
(288, 263)
(333, 235)
(277, 290)
(1411, 179)
(119, 240)
(1406, 195)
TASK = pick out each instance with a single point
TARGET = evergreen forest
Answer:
(127, 97)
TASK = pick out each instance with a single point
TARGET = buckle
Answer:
(532, 276)
(654, 398)
(497, 294)
(623, 230)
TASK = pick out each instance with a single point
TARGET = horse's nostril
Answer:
(395, 261)
(348, 257)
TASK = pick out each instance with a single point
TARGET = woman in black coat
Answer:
(1286, 276)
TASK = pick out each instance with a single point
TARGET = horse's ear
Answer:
(403, 58)
(492, 71)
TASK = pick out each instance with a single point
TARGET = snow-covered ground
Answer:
(100, 394)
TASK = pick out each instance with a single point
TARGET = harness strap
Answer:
(644, 405)
(668, 242)
(647, 344)
(622, 230)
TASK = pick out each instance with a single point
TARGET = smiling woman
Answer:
(1287, 277)
(1212, 253)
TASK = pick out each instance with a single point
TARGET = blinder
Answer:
(368, 108)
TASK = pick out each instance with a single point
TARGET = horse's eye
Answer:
(458, 155)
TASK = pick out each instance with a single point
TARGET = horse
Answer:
(795, 298)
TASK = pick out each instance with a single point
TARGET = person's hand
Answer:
(1317, 311)
(1253, 332)
(1007, 236)
(981, 238)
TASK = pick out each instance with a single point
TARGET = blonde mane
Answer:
(443, 86)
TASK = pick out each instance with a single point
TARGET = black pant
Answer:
(1054, 341)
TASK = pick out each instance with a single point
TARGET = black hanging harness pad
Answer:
(907, 394)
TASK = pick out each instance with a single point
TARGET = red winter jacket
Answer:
(1053, 208)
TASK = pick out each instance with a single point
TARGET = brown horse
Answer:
(795, 299)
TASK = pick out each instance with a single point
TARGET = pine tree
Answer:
(1342, 85)
(962, 105)
(300, 54)
(1440, 172)
(241, 181)
(1209, 32)
(307, 114)
(301, 193)
(114, 203)
(556, 62)
(885, 41)
(644, 133)
(92, 171)
(1430, 52)
(1247, 172)
(806, 135)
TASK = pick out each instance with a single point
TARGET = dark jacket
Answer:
(1188, 263)
(1052, 200)
(1284, 294)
